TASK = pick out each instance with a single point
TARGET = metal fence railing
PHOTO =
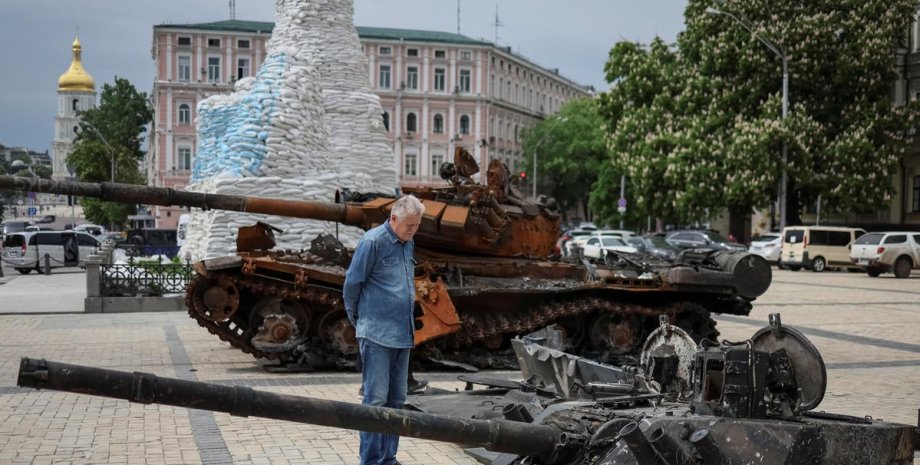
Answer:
(144, 278)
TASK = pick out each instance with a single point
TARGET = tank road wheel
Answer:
(697, 322)
(216, 299)
(336, 332)
(281, 324)
(618, 334)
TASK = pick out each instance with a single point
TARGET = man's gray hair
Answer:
(407, 206)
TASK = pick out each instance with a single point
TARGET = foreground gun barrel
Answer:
(495, 435)
(164, 196)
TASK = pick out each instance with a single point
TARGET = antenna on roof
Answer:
(232, 9)
(498, 24)
(458, 17)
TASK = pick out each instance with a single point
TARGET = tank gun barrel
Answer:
(496, 435)
(164, 196)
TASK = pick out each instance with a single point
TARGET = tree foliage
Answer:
(113, 130)
(697, 126)
(570, 148)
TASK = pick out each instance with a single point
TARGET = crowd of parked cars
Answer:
(815, 248)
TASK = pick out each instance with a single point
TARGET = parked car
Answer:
(818, 247)
(654, 244)
(883, 252)
(92, 229)
(598, 246)
(563, 245)
(768, 246)
(578, 242)
(702, 239)
(25, 251)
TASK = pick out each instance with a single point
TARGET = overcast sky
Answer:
(574, 36)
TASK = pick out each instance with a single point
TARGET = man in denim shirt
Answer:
(379, 296)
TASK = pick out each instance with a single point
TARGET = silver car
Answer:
(768, 246)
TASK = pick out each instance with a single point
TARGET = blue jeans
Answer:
(384, 374)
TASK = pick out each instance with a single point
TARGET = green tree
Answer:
(570, 148)
(113, 130)
(710, 129)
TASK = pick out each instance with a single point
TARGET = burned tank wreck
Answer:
(728, 403)
(486, 272)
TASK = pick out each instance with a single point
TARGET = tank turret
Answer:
(730, 403)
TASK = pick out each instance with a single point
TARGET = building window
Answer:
(412, 77)
(916, 194)
(184, 158)
(440, 54)
(439, 79)
(242, 43)
(386, 121)
(185, 68)
(466, 55)
(185, 114)
(384, 77)
(411, 52)
(464, 124)
(411, 164)
(386, 50)
(213, 69)
(213, 42)
(74, 105)
(465, 80)
(242, 68)
(185, 41)
(436, 160)
(438, 124)
(411, 122)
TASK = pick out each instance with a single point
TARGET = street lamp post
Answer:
(535, 147)
(782, 55)
(104, 141)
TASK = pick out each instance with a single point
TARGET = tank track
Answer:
(692, 317)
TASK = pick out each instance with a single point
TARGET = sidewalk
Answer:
(61, 292)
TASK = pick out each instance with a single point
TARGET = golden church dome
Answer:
(76, 78)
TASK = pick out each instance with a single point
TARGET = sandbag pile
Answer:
(304, 126)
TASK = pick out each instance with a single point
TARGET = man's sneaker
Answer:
(417, 386)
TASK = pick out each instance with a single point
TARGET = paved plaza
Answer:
(866, 329)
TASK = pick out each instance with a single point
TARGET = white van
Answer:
(25, 251)
(818, 247)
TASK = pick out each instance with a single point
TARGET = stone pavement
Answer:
(62, 291)
(866, 329)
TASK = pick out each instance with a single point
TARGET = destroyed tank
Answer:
(717, 404)
(486, 272)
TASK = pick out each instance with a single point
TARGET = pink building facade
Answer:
(438, 90)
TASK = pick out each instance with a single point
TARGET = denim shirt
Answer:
(379, 290)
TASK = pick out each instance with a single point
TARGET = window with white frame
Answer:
(185, 114)
(438, 124)
(439, 84)
(384, 81)
(213, 42)
(385, 50)
(213, 69)
(411, 122)
(242, 43)
(464, 124)
(411, 52)
(185, 41)
(440, 54)
(466, 55)
(184, 67)
(465, 80)
(411, 168)
(242, 67)
(412, 77)
(184, 158)
(436, 160)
